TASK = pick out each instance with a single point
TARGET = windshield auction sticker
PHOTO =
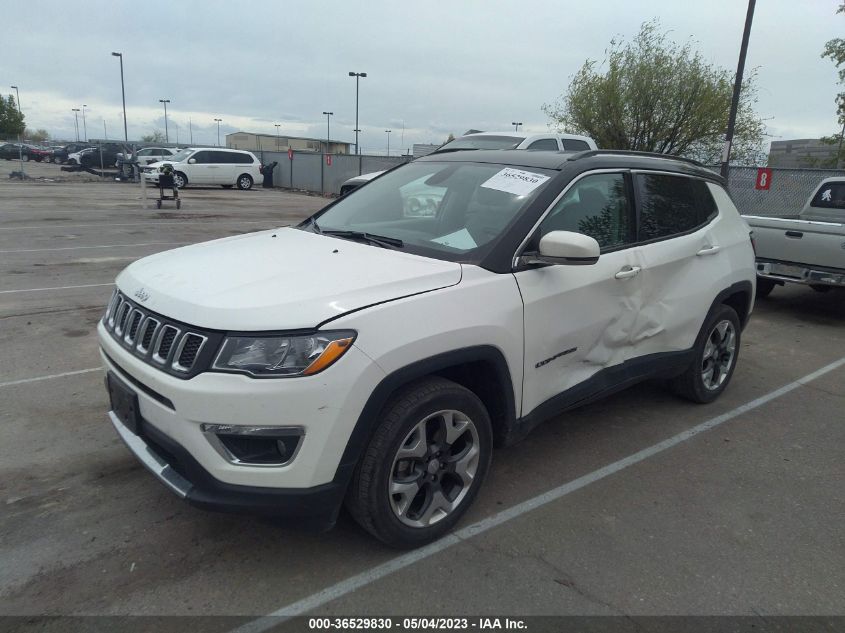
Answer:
(515, 181)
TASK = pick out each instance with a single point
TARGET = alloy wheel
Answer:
(719, 354)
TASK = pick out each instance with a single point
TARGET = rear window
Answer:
(574, 145)
(830, 196)
(670, 205)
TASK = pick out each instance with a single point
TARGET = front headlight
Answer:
(282, 356)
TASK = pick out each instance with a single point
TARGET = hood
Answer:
(277, 280)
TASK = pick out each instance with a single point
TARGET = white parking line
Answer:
(5, 292)
(24, 381)
(76, 248)
(209, 222)
(344, 587)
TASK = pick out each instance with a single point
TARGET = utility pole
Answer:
(84, 126)
(76, 122)
(328, 131)
(105, 133)
(740, 68)
(218, 131)
(191, 130)
(388, 141)
(278, 125)
(357, 77)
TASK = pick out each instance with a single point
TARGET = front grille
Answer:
(174, 347)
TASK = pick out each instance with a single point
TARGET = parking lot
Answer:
(656, 506)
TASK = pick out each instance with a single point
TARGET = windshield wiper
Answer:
(378, 240)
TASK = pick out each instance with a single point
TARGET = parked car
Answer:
(495, 140)
(61, 154)
(805, 249)
(109, 151)
(210, 166)
(76, 157)
(372, 358)
(26, 152)
(149, 155)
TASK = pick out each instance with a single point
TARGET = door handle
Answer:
(797, 235)
(710, 250)
(628, 272)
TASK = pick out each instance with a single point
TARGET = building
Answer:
(272, 143)
(802, 152)
(423, 149)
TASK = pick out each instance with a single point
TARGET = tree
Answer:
(156, 137)
(835, 50)
(449, 139)
(654, 95)
(37, 136)
(11, 120)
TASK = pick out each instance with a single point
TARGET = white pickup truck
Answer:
(808, 248)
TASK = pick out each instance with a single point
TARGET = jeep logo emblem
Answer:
(142, 295)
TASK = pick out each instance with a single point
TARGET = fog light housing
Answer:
(255, 445)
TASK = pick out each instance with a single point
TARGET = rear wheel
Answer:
(424, 465)
(244, 182)
(715, 354)
(25, 158)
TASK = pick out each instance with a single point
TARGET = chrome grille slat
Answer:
(169, 346)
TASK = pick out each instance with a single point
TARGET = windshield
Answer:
(483, 142)
(448, 210)
(179, 156)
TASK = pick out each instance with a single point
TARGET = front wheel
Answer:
(25, 158)
(424, 465)
(244, 182)
(180, 180)
(715, 354)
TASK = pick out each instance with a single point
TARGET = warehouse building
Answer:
(802, 152)
(272, 143)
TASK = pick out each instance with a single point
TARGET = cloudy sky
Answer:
(434, 66)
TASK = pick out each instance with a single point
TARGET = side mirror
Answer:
(565, 247)
(192, 161)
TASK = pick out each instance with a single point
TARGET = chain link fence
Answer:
(788, 189)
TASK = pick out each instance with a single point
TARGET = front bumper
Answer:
(173, 465)
(171, 442)
(800, 273)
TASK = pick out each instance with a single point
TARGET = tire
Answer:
(180, 180)
(244, 182)
(764, 287)
(715, 353)
(227, 186)
(417, 417)
(71, 161)
(25, 158)
(821, 288)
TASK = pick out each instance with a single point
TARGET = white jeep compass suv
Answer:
(374, 358)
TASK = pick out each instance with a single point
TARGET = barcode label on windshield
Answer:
(515, 181)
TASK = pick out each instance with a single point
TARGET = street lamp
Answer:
(76, 122)
(166, 133)
(357, 77)
(218, 131)
(123, 94)
(84, 126)
(278, 125)
(21, 135)
(516, 125)
(328, 131)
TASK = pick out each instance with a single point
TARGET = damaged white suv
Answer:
(374, 358)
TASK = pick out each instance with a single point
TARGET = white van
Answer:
(210, 166)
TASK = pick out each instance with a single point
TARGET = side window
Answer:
(830, 196)
(574, 145)
(546, 144)
(244, 159)
(670, 205)
(203, 158)
(166, 152)
(597, 206)
(223, 158)
(144, 152)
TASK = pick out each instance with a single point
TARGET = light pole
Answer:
(166, 133)
(76, 122)
(388, 141)
(105, 131)
(740, 68)
(516, 125)
(84, 126)
(328, 131)
(191, 129)
(123, 94)
(357, 78)
(278, 125)
(218, 131)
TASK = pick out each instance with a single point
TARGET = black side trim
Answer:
(367, 421)
(606, 382)
(736, 288)
(315, 508)
(155, 395)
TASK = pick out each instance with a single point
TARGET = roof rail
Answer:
(628, 152)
